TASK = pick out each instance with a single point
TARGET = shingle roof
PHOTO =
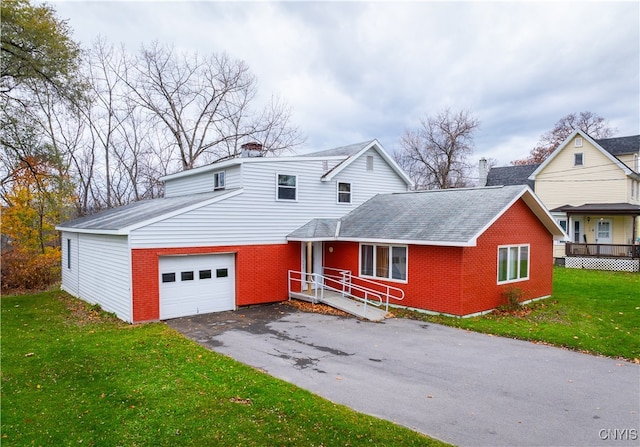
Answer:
(511, 175)
(441, 217)
(316, 229)
(449, 215)
(628, 209)
(620, 145)
(115, 219)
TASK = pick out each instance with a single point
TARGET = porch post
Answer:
(309, 266)
(634, 252)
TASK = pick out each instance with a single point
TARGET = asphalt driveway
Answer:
(462, 387)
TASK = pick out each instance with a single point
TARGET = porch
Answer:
(603, 236)
(615, 257)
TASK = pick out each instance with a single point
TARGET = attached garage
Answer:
(195, 284)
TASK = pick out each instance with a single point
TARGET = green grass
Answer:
(591, 311)
(72, 375)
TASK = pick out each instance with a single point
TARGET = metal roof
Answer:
(120, 218)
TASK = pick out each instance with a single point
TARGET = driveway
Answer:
(462, 387)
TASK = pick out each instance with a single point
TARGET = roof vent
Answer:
(252, 150)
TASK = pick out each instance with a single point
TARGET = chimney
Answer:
(483, 172)
(250, 150)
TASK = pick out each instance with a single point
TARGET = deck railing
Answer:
(630, 251)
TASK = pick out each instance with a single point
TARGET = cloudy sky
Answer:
(353, 71)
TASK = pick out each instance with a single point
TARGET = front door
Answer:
(604, 231)
(316, 261)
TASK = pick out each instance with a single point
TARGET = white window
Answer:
(218, 180)
(383, 261)
(636, 162)
(287, 187)
(68, 253)
(578, 142)
(578, 159)
(513, 263)
(344, 192)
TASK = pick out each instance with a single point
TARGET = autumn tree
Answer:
(36, 47)
(593, 125)
(435, 153)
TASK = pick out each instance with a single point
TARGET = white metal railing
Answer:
(343, 282)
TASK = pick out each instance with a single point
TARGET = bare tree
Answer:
(435, 154)
(593, 125)
(205, 104)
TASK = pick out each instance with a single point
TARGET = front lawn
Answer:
(592, 311)
(72, 375)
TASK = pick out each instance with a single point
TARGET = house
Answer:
(228, 234)
(592, 187)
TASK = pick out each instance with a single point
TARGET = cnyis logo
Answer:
(618, 434)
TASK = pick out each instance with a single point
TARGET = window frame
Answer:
(338, 193)
(278, 186)
(575, 158)
(217, 184)
(68, 253)
(510, 262)
(577, 142)
(374, 268)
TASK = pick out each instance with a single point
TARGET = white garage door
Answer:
(196, 284)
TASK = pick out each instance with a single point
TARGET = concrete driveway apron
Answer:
(462, 387)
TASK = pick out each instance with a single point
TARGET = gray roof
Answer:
(511, 175)
(628, 209)
(119, 218)
(621, 145)
(316, 229)
(440, 217)
(349, 150)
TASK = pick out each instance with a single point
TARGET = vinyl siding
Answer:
(104, 272)
(256, 217)
(599, 180)
(202, 182)
(70, 273)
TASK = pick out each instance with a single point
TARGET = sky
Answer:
(353, 71)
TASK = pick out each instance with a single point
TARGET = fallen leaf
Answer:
(29, 354)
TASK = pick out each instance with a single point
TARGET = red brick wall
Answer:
(462, 281)
(261, 274)
(516, 226)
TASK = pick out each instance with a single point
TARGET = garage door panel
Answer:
(195, 284)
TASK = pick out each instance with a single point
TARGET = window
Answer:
(218, 180)
(204, 274)
(168, 277)
(287, 187)
(578, 142)
(344, 192)
(369, 162)
(576, 231)
(636, 162)
(69, 253)
(513, 263)
(563, 224)
(383, 261)
(578, 159)
(222, 273)
(186, 276)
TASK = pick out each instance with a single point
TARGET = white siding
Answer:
(202, 182)
(104, 272)
(255, 216)
(70, 270)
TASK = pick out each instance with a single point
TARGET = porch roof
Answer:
(626, 209)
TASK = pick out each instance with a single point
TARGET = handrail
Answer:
(344, 284)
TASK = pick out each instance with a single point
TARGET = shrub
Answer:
(26, 270)
(513, 298)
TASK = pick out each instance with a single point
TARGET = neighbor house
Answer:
(231, 233)
(592, 188)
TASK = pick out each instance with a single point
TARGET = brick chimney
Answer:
(252, 149)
